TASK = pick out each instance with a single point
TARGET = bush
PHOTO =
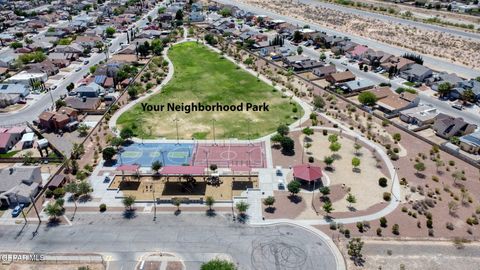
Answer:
(48, 193)
(383, 222)
(379, 231)
(449, 225)
(325, 132)
(387, 196)
(396, 229)
(347, 233)
(404, 209)
(103, 207)
(382, 182)
(216, 264)
(429, 223)
(311, 159)
(58, 193)
(360, 226)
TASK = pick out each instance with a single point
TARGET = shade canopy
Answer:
(307, 172)
(182, 170)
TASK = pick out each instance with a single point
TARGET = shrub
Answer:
(325, 132)
(58, 193)
(449, 226)
(383, 222)
(48, 193)
(347, 233)
(430, 232)
(311, 159)
(360, 226)
(429, 223)
(396, 229)
(404, 209)
(387, 196)
(382, 182)
(103, 207)
(379, 232)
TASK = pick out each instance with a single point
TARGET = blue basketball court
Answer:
(170, 154)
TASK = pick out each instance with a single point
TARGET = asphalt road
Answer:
(194, 237)
(373, 15)
(377, 79)
(32, 111)
(434, 63)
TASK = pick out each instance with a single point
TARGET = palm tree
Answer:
(209, 201)
(242, 207)
(53, 210)
(77, 151)
(128, 202)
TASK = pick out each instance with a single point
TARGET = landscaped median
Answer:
(207, 93)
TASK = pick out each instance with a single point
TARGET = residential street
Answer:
(194, 237)
(45, 102)
(435, 63)
(378, 78)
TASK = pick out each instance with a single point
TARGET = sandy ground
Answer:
(459, 50)
(427, 255)
(363, 184)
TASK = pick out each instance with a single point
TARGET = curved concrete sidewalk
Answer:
(113, 120)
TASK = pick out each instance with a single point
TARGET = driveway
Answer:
(194, 237)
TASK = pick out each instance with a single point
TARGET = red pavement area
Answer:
(230, 155)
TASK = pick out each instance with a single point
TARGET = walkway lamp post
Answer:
(214, 139)
(176, 127)
(395, 176)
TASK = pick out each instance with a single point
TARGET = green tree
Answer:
(294, 187)
(367, 98)
(327, 207)
(355, 162)
(72, 187)
(335, 147)
(357, 147)
(108, 153)
(156, 165)
(468, 96)
(329, 161)
(325, 191)
(225, 12)
(419, 167)
(307, 131)
(117, 142)
(70, 87)
(283, 130)
(53, 210)
(218, 264)
(444, 89)
(209, 201)
(318, 102)
(354, 247)
(15, 45)
(269, 202)
(84, 188)
(128, 202)
(333, 138)
(110, 31)
(242, 207)
(288, 145)
(60, 103)
(351, 199)
(299, 50)
(126, 133)
(82, 130)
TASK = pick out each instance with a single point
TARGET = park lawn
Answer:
(202, 75)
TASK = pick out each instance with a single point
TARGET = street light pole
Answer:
(395, 176)
(154, 205)
(36, 210)
(176, 126)
(18, 204)
(213, 123)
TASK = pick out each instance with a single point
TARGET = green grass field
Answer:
(202, 75)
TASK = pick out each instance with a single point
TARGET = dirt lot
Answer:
(426, 255)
